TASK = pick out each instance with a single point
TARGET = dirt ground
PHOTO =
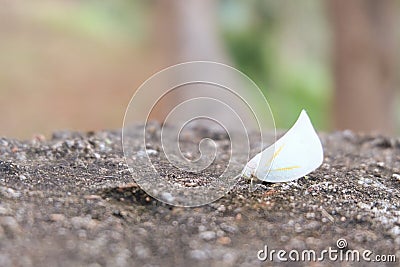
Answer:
(71, 201)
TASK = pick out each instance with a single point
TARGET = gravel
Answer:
(71, 201)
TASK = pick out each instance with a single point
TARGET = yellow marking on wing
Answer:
(287, 168)
(275, 154)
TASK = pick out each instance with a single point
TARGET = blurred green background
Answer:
(75, 64)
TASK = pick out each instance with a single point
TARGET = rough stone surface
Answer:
(71, 201)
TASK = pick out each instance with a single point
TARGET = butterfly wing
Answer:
(294, 155)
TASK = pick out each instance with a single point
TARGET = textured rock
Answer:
(71, 201)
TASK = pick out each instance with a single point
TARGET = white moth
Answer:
(294, 155)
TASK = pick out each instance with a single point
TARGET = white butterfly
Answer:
(294, 155)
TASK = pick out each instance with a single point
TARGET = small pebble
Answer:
(151, 152)
(310, 215)
(57, 217)
(395, 231)
(4, 211)
(10, 225)
(207, 235)
(92, 197)
(9, 192)
(224, 240)
(396, 176)
(229, 228)
(167, 197)
(198, 254)
(221, 208)
(142, 252)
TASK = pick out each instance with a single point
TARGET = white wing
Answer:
(294, 155)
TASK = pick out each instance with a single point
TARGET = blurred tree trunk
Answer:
(186, 30)
(365, 50)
